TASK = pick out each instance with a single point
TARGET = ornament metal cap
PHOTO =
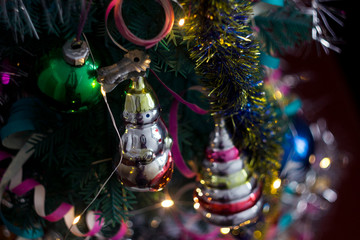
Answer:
(220, 139)
(141, 103)
(75, 52)
(133, 65)
(140, 97)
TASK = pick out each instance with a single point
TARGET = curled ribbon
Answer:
(19, 133)
(127, 34)
(64, 211)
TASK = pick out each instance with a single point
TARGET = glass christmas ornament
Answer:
(69, 77)
(228, 193)
(298, 145)
(146, 164)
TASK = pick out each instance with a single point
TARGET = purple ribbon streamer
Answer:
(173, 128)
(83, 18)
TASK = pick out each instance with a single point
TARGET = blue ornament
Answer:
(298, 145)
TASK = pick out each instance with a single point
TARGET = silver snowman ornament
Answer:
(146, 163)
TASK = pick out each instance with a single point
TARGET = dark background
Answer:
(333, 91)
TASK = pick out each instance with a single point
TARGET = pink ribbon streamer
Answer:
(173, 128)
(127, 34)
(83, 17)
(64, 211)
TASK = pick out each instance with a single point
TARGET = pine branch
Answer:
(283, 28)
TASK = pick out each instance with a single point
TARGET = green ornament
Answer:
(69, 78)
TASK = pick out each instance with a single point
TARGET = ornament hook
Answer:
(133, 65)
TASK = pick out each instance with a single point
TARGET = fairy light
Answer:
(325, 163)
(181, 22)
(312, 159)
(102, 91)
(278, 95)
(167, 203)
(196, 205)
(277, 183)
(257, 234)
(76, 220)
(224, 230)
(93, 84)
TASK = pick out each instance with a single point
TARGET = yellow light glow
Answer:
(102, 91)
(76, 220)
(181, 22)
(224, 230)
(277, 94)
(245, 223)
(167, 203)
(208, 215)
(257, 234)
(312, 159)
(154, 223)
(277, 183)
(325, 162)
(196, 205)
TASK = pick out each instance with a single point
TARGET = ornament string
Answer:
(128, 35)
(83, 18)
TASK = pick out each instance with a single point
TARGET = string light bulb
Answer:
(167, 203)
(325, 163)
(277, 183)
(224, 230)
(102, 91)
(76, 220)
(181, 22)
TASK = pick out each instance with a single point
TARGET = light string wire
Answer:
(120, 146)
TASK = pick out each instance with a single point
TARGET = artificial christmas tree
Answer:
(61, 164)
